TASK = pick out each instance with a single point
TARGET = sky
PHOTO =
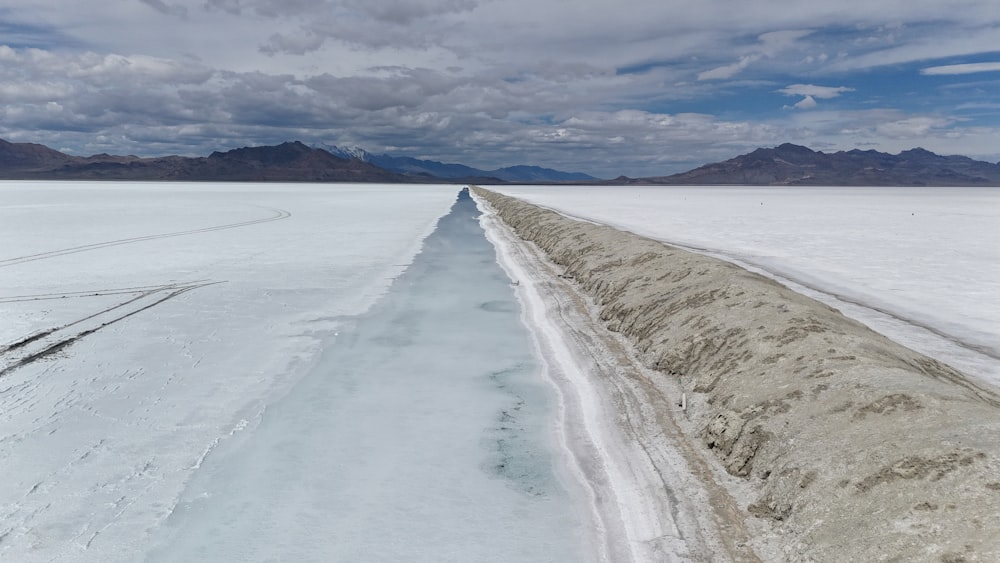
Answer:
(607, 87)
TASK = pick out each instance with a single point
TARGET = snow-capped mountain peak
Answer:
(352, 151)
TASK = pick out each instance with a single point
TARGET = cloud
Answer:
(806, 103)
(271, 8)
(811, 90)
(167, 9)
(398, 12)
(932, 41)
(769, 45)
(405, 12)
(305, 41)
(728, 71)
(489, 82)
(810, 93)
(967, 68)
(776, 41)
(911, 127)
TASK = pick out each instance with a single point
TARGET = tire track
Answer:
(89, 293)
(279, 214)
(142, 291)
(23, 352)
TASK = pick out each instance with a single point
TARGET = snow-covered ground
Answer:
(921, 265)
(144, 325)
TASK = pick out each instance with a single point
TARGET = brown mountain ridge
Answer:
(786, 164)
(288, 162)
(794, 165)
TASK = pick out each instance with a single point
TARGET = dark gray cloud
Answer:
(406, 12)
(397, 12)
(271, 8)
(166, 9)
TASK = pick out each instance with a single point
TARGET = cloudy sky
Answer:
(609, 87)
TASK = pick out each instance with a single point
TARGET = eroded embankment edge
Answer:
(854, 446)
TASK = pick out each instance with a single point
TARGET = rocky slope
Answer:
(854, 447)
(28, 158)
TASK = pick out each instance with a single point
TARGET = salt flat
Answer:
(920, 265)
(836, 443)
(143, 325)
(422, 433)
(159, 342)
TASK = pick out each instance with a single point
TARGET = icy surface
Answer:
(921, 265)
(422, 434)
(142, 326)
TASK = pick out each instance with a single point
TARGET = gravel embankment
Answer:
(857, 448)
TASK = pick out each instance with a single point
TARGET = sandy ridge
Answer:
(854, 447)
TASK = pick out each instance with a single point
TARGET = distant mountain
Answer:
(29, 158)
(532, 174)
(790, 164)
(291, 161)
(287, 162)
(786, 164)
(408, 165)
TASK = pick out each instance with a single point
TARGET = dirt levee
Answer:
(855, 448)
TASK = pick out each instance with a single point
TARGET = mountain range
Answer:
(796, 165)
(294, 161)
(287, 162)
(414, 166)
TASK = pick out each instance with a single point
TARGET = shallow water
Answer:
(424, 433)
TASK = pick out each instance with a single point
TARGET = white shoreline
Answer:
(554, 360)
(632, 516)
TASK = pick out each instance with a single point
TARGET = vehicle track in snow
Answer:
(279, 214)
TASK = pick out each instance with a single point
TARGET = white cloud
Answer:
(36, 92)
(806, 103)
(775, 41)
(728, 71)
(929, 43)
(911, 127)
(769, 45)
(814, 91)
(813, 59)
(968, 68)
(810, 92)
